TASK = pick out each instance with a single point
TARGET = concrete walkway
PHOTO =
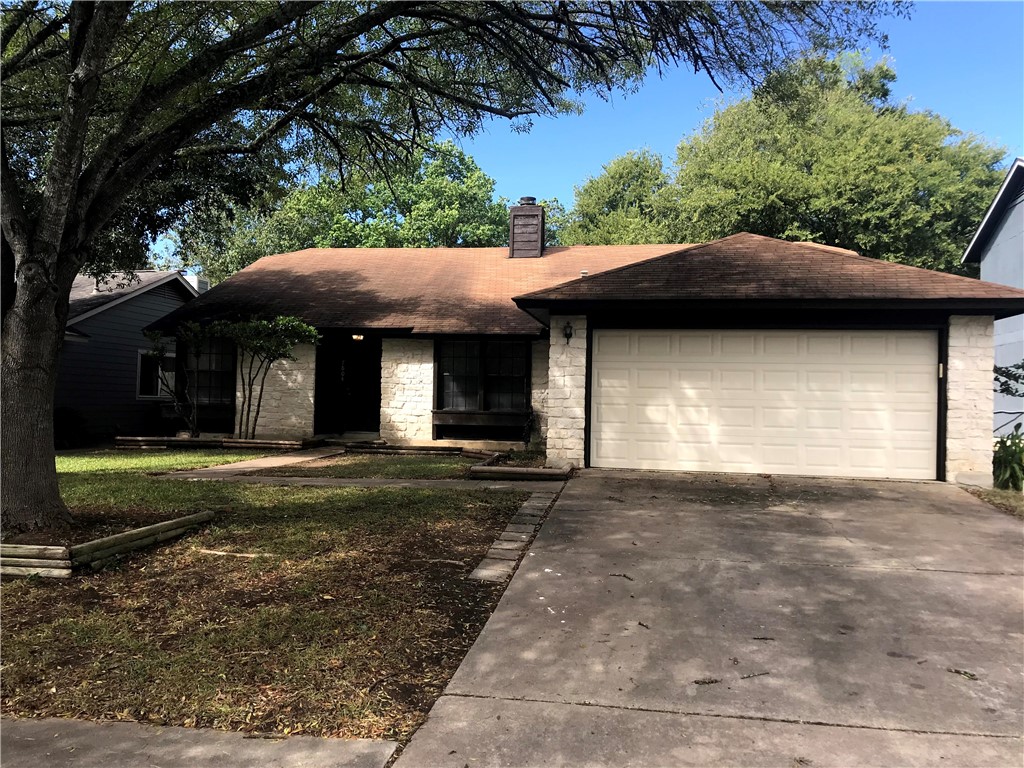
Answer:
(550, 486)
(237, 473)
(698, 620)
(57, 743)
(267, 462)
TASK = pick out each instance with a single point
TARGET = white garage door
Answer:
(843, 403)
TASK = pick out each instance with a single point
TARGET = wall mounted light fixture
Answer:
(567, 330)
(357, 337)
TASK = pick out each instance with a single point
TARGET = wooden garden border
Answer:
(59, 562)
(211, 442)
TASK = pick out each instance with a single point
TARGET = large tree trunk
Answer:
(33, 331)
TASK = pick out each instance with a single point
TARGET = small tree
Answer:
(182, 393)
(261, 343)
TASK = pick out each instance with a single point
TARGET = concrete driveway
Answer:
(670, 620)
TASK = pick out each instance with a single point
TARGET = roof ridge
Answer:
(686, 248)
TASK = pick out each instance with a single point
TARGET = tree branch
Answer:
(14, 20)
(24, 59)
(93, 29)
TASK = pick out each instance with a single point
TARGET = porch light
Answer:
(357, 337)
(567, 330)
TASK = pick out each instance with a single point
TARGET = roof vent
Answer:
(583, 273)
(526, 229)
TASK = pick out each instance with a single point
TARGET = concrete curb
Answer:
(59, 743)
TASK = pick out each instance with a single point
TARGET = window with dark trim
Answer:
(150, 368)
(215, 373)
(483, 375)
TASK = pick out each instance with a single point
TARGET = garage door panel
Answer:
(825, 345)
(774, 344)
(652, 414)
(696, 346)
(737, 344)
(653, 346)
(654, 378)
(737, 417)
(612, 379)
(857, 403)
(737, 380)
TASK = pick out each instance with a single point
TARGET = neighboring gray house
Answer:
(998, 246)
(747, 354)
(107, 384)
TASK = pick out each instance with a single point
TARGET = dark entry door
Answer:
(347, 384)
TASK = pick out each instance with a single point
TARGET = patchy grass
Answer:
(426, 467)
(1011, 502)
(135, 460)
(107, 494)
(349, 620)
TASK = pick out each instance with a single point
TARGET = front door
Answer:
(347, 384)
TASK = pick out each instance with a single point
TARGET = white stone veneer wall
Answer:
(969, 401)
(566, 400)
(287, 408)
(539, 351)
(406, 390)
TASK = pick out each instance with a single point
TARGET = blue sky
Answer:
(963, 60)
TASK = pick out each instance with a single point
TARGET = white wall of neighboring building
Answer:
(1002, 261)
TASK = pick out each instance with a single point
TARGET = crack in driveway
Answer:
(756, 718)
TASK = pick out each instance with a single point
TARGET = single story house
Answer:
(998, 247)
(107, 384)
(746, 354)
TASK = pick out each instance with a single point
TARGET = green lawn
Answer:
(135, 460)
(349, 621)
(426, 467)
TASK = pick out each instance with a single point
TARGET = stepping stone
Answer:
(519, 528)
(525, 520)
(493, 570)
(490, 574)
(506, 536)
(503, 554)
(516, 545)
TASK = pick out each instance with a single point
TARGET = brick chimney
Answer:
(526, 229)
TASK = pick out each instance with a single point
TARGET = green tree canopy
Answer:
(821, 153)
(443, 200)
(838, 163)
(619, 206)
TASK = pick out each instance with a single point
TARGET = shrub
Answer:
(1008, 461)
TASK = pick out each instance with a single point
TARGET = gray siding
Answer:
(98, 376)
(1002, 261)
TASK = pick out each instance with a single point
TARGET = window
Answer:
(486, 375)
(150, 368)
(215, 373)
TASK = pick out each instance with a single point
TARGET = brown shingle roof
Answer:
(470, 290)
(746, 266)
(423, 290)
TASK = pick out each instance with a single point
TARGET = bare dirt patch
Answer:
(350, 621)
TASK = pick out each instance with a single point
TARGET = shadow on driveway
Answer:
(694, 619)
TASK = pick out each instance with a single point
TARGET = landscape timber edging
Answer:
(59, 562)
(212, 442)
